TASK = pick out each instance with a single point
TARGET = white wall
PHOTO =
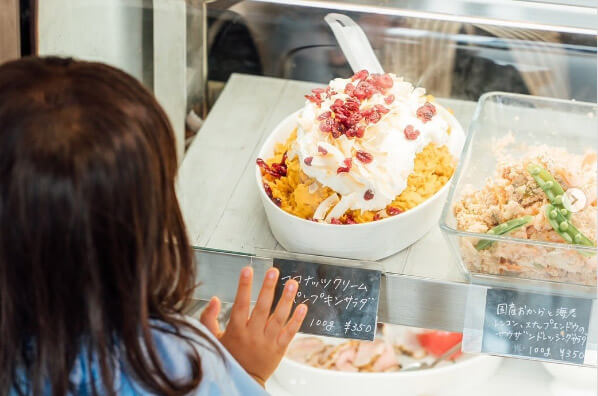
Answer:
(110, 31)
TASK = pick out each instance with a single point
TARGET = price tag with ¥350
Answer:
(538, 326)
(342, 301)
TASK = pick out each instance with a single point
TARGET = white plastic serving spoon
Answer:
(354, 43)
(423, 365)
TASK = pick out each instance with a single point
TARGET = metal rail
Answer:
(405, 300)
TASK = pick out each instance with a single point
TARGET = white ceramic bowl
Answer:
(573, 376)
(451, 379)
(367, 241)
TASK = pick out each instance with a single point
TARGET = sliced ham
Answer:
(387, 360)
(303, 348)
(367, 352)
(344, 358)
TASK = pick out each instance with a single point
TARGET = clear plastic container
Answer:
(531, 121)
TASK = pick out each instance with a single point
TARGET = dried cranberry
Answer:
(369, 194)
(268, 190)
(351, 104)
(315, 99)
(327, 125)
(280, 169)
(426, 112)
(266, 168)
(277, 202)
(262, 164)
(371, 116)
(360, 75)
(377, 217)
(411, 133)
(355, 132)
(334, 220)
(338, 130)
(392, 211)
(383, 81)
(381, 109)
(349, 88)
(349, 219)
(329, 92)
(322, 150)
(318, 91)
(346, 115)
(324, 116)
(344, 169)
(308, 160)
(364, 157)
(389, 99)
(364, 90)
(337, 104)
(340, 117)
(354, 119)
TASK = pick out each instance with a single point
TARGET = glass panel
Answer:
(456, 59)
(450, 58)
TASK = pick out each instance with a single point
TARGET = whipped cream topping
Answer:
(365, 153)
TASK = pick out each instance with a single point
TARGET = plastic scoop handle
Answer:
(354, 43)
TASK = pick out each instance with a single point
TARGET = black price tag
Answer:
(342, 301)
(538, 326)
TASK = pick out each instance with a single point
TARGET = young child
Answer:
(95, 264)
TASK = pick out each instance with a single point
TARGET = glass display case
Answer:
(279, 162)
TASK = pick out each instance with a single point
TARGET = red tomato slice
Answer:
(438, 342)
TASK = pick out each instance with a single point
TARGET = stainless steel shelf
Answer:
(404, 299)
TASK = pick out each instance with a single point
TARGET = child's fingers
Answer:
(283, 309)
(293, 326)
(262, 307)
(209, 316)
(240, 310)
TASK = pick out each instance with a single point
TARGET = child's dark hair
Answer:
(92, 244)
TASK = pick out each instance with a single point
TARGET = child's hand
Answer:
(258, 342)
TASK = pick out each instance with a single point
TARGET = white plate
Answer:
(367, 241)
(467, 372)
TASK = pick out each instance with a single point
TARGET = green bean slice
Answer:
(502, 229)
(553, 190)
(565, 228)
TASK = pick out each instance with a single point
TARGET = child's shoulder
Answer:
(174, 347)
(221, 374)
(194, 335)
